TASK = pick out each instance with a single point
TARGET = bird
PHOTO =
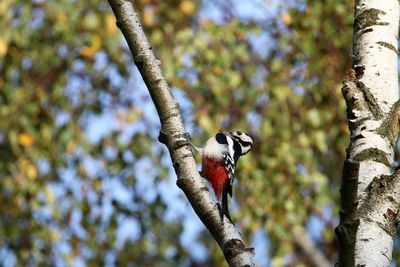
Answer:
(219, 159)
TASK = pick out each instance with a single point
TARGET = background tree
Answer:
(84, 179)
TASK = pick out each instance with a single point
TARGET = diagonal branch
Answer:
(309, 248)
(174, 136)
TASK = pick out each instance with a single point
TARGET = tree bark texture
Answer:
(174, 136)
(370, 191)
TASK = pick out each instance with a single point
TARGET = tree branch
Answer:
(174, 136)
(308, 247)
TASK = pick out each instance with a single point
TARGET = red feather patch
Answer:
(215, 172)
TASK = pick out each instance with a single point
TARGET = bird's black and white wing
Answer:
(229, 164)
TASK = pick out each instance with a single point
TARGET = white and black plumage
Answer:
(219, 158)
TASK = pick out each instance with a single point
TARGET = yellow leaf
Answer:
(28, 169)
(91, 21)
(31, 172)
(26, 139)
(62, 18)
(277, 262)
(97, 185)
(54, 235)
(148, 16)
(110, 24)
(3, 47)
(5, 6)
(89, 51)
(187, 7)
(235, 78)
(71, 147)
(286, 18)
(206, 123)
(50, 196)
(217, 70)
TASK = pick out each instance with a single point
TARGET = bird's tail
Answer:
(225, 209)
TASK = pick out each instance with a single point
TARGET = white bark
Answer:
(371, 96)
(373, 245)
(378, 22)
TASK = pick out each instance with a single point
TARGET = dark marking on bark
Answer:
(390, 214)
(162, 138)
(381, 186)
(359, 71)
(231, 248)
(204, 188)
(373, 154)
(388, 46)
(378, 184)
(171, 115)
(390, 125)
(140, 59)
(368, 18)
(179, 140)
(176, 165)
(188, 155)
(367, 30)
(358, 136)
(370, 100)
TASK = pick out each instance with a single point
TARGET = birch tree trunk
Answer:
(370, 191)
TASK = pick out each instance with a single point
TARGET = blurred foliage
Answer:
(63, 67)
(82, 172)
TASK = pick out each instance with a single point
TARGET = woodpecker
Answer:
(219, 158)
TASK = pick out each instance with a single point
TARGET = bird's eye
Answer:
(240, 133)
